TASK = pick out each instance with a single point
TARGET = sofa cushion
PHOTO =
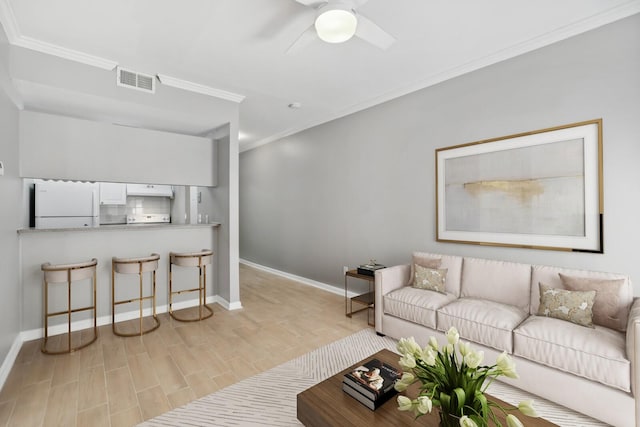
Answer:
(482, 321)
(433, 279)
(572, 306)
(423, 260)
(499, 281)
(416, 305)
(550, 275)
(611, 306)
(597, 354)
(452, 263)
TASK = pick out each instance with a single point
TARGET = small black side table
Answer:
(367, 299)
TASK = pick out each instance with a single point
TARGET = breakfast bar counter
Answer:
(65, 245)
(112, 227)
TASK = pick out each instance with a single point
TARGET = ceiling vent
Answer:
(134, 80)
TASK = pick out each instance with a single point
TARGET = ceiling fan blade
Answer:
(368, 31)
(358, 3)
(307, 37)
(290, 20)
(312, 3)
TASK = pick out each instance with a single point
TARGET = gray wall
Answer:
(363, 186)
(10, 197)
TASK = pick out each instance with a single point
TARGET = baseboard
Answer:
(38, 333)
(228, 305)
(10, 359)
(303, 280)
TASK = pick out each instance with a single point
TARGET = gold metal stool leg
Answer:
(204, 311)
(124, 265)
(55, 274)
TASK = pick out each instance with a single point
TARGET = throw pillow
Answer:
(611, 305)
(573, 306)
(432, 279)
(421, 259)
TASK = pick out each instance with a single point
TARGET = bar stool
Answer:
(67, 273)
(191, 259)
(137, 266)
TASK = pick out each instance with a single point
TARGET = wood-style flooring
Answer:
(120, 381)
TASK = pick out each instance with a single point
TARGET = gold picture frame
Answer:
(540, 190)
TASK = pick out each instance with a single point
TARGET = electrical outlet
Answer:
(1, 168)
(345, 269)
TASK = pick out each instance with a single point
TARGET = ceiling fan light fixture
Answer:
(336, 24)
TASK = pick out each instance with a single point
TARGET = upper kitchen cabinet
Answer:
(61, 147)
(149, 190)
(113, 193)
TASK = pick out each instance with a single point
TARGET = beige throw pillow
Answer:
(611, 306)
(432, 279)
(422, 261)
(573, 306)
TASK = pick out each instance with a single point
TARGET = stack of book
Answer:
(372, 383)
(369, 269)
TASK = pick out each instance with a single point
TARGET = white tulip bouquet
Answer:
(455, 382)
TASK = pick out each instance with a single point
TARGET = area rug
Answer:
(269, 398)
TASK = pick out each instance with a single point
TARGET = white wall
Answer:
(10, 197)
(60, 86)
(60, 147)
(363, 186)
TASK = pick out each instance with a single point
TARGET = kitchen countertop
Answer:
(110, 227)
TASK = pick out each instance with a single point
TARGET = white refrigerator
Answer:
(66, 204)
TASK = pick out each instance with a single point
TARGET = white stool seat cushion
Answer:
(133, 265)
(60, 273)
(191, 259)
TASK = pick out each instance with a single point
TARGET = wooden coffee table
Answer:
(326, 405)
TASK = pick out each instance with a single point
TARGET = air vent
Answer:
(133, 80)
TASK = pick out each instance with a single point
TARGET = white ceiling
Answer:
(239, 46)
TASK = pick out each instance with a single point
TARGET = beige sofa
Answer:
(494, 305)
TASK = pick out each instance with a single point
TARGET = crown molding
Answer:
(591, 23)
(65, 53)
(198, 88)
(8, 20)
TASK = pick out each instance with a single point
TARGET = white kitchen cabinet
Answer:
(149, 190)
(113, 193)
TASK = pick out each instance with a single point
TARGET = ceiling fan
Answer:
(338, 21)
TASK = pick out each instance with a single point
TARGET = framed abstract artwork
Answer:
(540, 189)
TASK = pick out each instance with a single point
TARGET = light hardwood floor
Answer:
(122, 381)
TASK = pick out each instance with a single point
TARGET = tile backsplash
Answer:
(136, 205)
(140, 205)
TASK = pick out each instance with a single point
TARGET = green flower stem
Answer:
(454, 383)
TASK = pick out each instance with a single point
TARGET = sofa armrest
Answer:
(633, 347)
(392, 278)
(386, 280)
